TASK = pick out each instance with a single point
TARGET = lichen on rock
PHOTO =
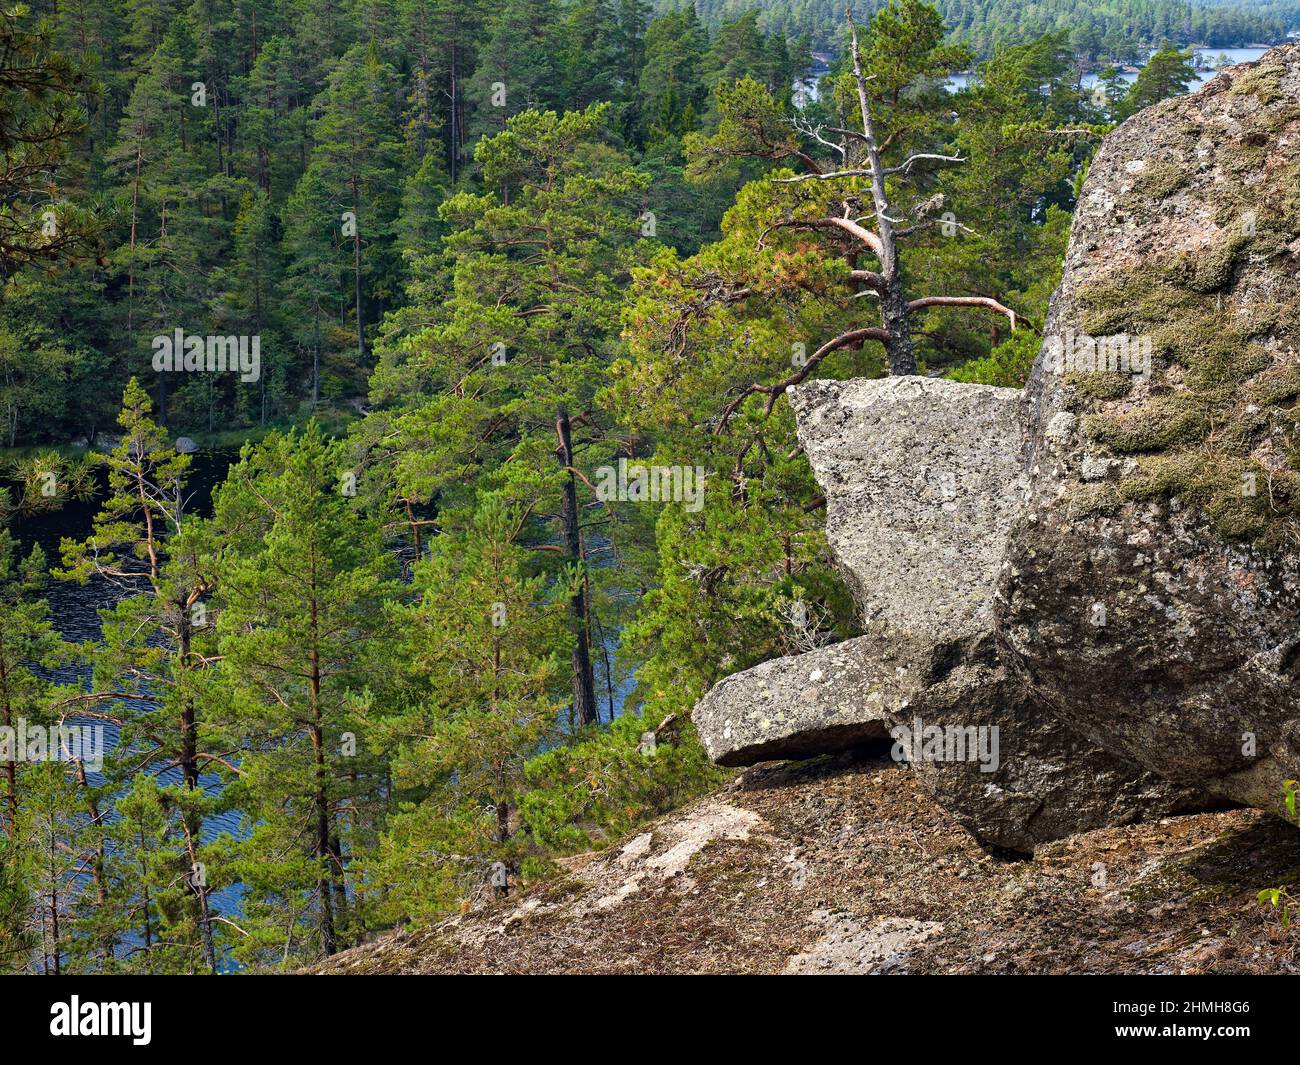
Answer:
(1190, 555)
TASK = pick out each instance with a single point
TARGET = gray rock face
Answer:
(1152, 593)
(923, 478)
(793, 707)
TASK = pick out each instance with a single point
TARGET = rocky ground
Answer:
(842, 864)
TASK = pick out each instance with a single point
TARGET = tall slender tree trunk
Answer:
(135, 222)
(56, 956)
(900, 353)
(162, 377)
(146, 932)
(339, 885)
(324, 882)
(315, 359)
(257, 324)
(584, 683)
(198, 885)
(189, 760)
(189, 764)
(11, 764)
(356, 267)
(98, 873)
(455, 123)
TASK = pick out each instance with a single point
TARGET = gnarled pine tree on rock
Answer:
(846, 194)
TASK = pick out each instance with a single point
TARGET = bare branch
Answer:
(774, 392)
(987, 302)
(830, 175)
(815, 132)
(906, 166)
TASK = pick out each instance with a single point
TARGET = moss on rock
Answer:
(1261, 80)
(1224, 328)
(1161, 180)
(1155, 425)
(1210, 271)
(1102, 385)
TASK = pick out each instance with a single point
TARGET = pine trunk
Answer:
(584, 683)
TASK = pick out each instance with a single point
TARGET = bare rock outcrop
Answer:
(1151, 594)
(793, 707)
(843, 865)
(923, 480)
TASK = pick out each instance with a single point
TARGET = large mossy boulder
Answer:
(1107, 565)
(1151, 591)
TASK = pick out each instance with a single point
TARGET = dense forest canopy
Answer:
(1121, 30)
(502, 303)
(274, 168)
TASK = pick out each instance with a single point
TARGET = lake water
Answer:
(1220, 58)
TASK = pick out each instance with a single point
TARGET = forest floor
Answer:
(844, 865)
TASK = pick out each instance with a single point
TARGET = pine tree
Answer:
(160, 255)
(39, 121)
(518, 67)
(303, 585)
(672, 90)
(249, 304)
(1008, 196)
(27, 643)
(322, 31)
(155, 865)
(17, 938)
(498, 396)
(485, 647)
(272, 130)
(443, 37)
(156, 639)
(57, 843)
(1167, 73)
(356, 156)
(594, 63)
(312, 294)
(60, 345)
